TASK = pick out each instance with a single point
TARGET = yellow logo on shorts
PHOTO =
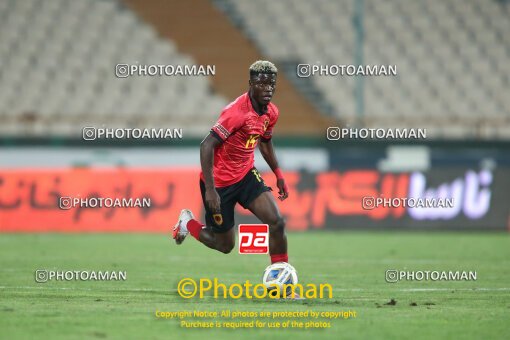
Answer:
(250, 143)
(218, 219)
(257, 175)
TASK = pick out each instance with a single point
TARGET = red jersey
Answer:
(240, 129)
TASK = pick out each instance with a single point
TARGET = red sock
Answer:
(194, 228)
(279, 258)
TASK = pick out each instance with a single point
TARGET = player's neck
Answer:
(259, 109)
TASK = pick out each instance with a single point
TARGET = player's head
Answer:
(262, 81)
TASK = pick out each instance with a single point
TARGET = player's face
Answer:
(262, 88)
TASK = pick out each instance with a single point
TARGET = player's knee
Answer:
(278, 226)
(226, 248)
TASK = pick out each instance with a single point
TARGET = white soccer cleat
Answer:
(180, 231)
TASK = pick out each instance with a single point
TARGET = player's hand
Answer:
(212, 199)
(282, 189)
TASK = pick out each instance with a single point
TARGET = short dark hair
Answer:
(262, 66)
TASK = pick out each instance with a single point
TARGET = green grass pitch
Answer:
(353, 263)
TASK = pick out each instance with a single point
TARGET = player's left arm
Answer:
(267, 151)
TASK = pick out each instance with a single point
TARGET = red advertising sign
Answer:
(253, 239)
(30, 199)
(33, 200)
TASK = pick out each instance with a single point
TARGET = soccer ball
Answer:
(279, 273)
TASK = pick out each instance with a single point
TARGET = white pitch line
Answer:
(42, 287)
(85, 289)
(421, 289)
(448, 289)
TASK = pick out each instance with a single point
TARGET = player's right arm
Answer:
(229, 122)
(207, 147)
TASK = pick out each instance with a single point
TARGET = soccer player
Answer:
(228, 173)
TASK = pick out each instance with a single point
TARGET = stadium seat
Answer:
(58, 59)
(451, 56)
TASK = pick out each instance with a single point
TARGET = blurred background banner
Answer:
(31, 199)
(70, 65)
(323, 195)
